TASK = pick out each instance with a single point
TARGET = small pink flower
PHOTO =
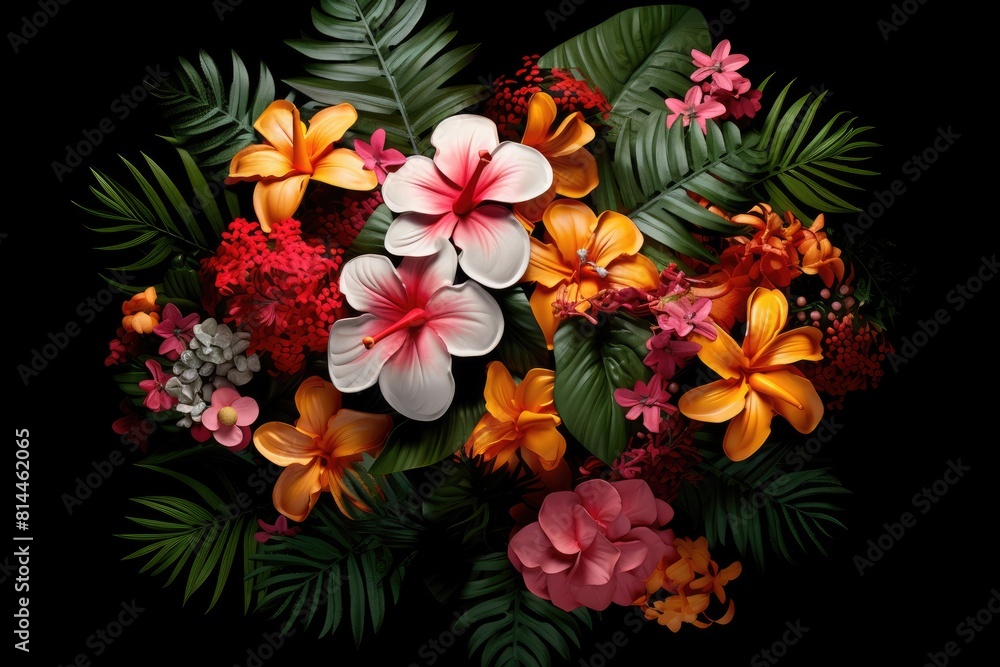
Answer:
(280, 527)
(176, 331)
(683, 316)
(693, 108)
(377, 158)
(667, 354)
(720, 65)
(229, 418)
(647, 400)
(157, 399)
(740, 102)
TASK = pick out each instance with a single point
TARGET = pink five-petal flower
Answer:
(280, 527)
(157, 399)
(692, 107)
(229, 418)
(721, 66)
(377, 157)
(175, 330)
(460, 195)
(647, 401)
(414, 319)
(682, 316)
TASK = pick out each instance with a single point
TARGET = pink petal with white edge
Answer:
(352, 366)
(246, 411)
(423, 276)
(467, 319)
(495, 246)
(458, 141)
(417, 379)
(420, 187)
(420, 234)
(516, 173)
(370, 284)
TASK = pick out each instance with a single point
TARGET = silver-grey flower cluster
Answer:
(216, 358)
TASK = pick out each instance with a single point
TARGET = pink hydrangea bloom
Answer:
(228, 419)
(157, 399)
(595, 545)
(175, 330)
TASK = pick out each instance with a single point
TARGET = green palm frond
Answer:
(204, 536)
(770, 502)
(211, 120)
(368, 57)
(655, 168)
(808, 166)
(512, 625)
(158, 219)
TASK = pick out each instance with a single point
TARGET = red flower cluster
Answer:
(280, 287)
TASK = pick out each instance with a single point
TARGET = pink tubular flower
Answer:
(646, 400)
(594, 545)
(157, 399)
(693, 108)
(720, 65)
(377, 158)
(229, 418)
(175, 330)
(414, 320)
(459, 195)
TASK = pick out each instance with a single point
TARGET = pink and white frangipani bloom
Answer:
(721, 66)
(461, 194)
(228, 419)
(414, 319)
(692, 107)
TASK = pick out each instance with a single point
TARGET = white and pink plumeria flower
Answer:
(414, 320)
(461, 195)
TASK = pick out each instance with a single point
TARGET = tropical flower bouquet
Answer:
(535, 344)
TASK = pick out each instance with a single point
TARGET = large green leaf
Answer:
(637, 58)
(591, 363)
(367, 56)
(523, 344)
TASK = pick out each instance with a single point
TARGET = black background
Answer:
(912, 81)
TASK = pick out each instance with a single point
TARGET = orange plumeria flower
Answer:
(293, 155)
(582, 255)
(519, 417)
(142, 313)
(320, 450)
(574, 169)
(758, 380)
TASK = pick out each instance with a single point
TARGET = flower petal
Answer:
(546, 265)
(316, 400)
(419, 234)
(541, 115)
(247, 410)
(259, 161)
(575, 175)
(274, 201)
(615, 235)
(458, 140)
(297, 489)
(499, 392)
(749, 429)
(229, 436)
(419, 186)
(328, 126)
(536, 392)
(466, 318)
(417, 379)
(570, 225)
(422, 277)
(353, 432)
(371, 284)
(277, 124)
(801, 343)
(495, 246)
(514, 174)
(283, 444)
(723, 355)
(353, 367)
(767, 314)
(714, 402)
(343, 168)
(540, 435)
(804, 419)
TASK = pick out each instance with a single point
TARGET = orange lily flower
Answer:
(759, 379)
(320, 450)
(574, 169)
(819, 256)
(519, 416)
(582, 255)
(293, 155)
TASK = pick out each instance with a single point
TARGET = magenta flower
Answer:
(176, 331)
(280, 527)
(740, 102)
(646, 400)
(228, 418)
(693, 108)
(683, 316)
(720, 65)
(460, 195)
(667, 354)
(157, 399)
(377, 158)
(414, 320)
(594, 545)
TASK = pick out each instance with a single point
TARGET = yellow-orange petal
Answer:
(716, 401)
(536, 392)
(767, 314)
(803, 419)
(615, 235)
(541, 306)
(282, 444)
(493, 439)
(570, 224)
(539, 435)
(278, 125)
(351, 433)
(546, 265)
(343, 168)
(574, 175)
(317, 400)
(723, 355)
(799, 344)
(297, 489)
(573, 133)
(499, 392)
(259, 161)
(541, 114)
(633, 271)
(328, 126)
(530, 212)
(749, 429)
(274, 201)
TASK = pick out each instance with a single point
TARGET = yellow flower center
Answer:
(228, 415)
